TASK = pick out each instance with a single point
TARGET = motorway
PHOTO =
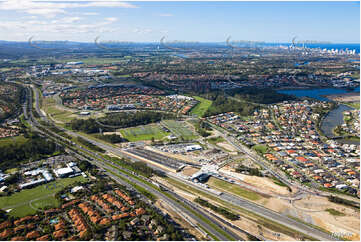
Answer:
(190, 209)
(257, 209)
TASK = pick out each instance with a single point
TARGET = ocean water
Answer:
(335, 46)
(330, 46)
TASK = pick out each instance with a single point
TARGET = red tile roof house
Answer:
(301, 159)
(32, 235)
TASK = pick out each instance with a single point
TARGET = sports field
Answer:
(180, 129)
(144, 132)
(201, 108)
(28, 200)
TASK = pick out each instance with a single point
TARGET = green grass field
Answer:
(11, 140)
(49, 106)
(201, 108)
(180, 129)
(260, 148)
(215, 140)
(232, 188)
(40, 196)
(334, 212)
(354, 105)
(12, 170)
(144, 132)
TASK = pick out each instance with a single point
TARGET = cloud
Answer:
(66, 20)
(111, 19)
(90, 14)
(166, 15)
(142, 31)
(57, 28)
(52, 8)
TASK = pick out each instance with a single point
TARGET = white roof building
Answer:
(71, 164)
(3, 188)
(46, 174)
(193, 147)
(31, 183)
(77, 188)
(61, 172)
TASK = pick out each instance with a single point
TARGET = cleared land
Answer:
(49, 106)
(180, 129)
(28, 200)
(201, 108)
(232, 188)
(144, 132)
(345, 97)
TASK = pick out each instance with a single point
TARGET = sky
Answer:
(133, 21)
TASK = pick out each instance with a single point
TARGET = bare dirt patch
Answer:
(226, 146)
(345, 97)
(189, 171)
(263, 183)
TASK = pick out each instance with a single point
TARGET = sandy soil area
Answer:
(109, 133)
(346, 97)
(312, 210)
(227, 146)
(266, 183)
(189, 171)
(350, 222)
(263, 183)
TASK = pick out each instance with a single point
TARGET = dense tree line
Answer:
(111, 138)
(203, 128)
(12, 100)
(88, 126)
(249, 99)
(219, 210)
(124, 120)
(263, 96)
(119, 120)
(35, 147)
(249, 170)
(221, 104)
(138, 167)
(90, 145)
(343, 201)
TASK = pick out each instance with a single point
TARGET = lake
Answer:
(317, 93)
